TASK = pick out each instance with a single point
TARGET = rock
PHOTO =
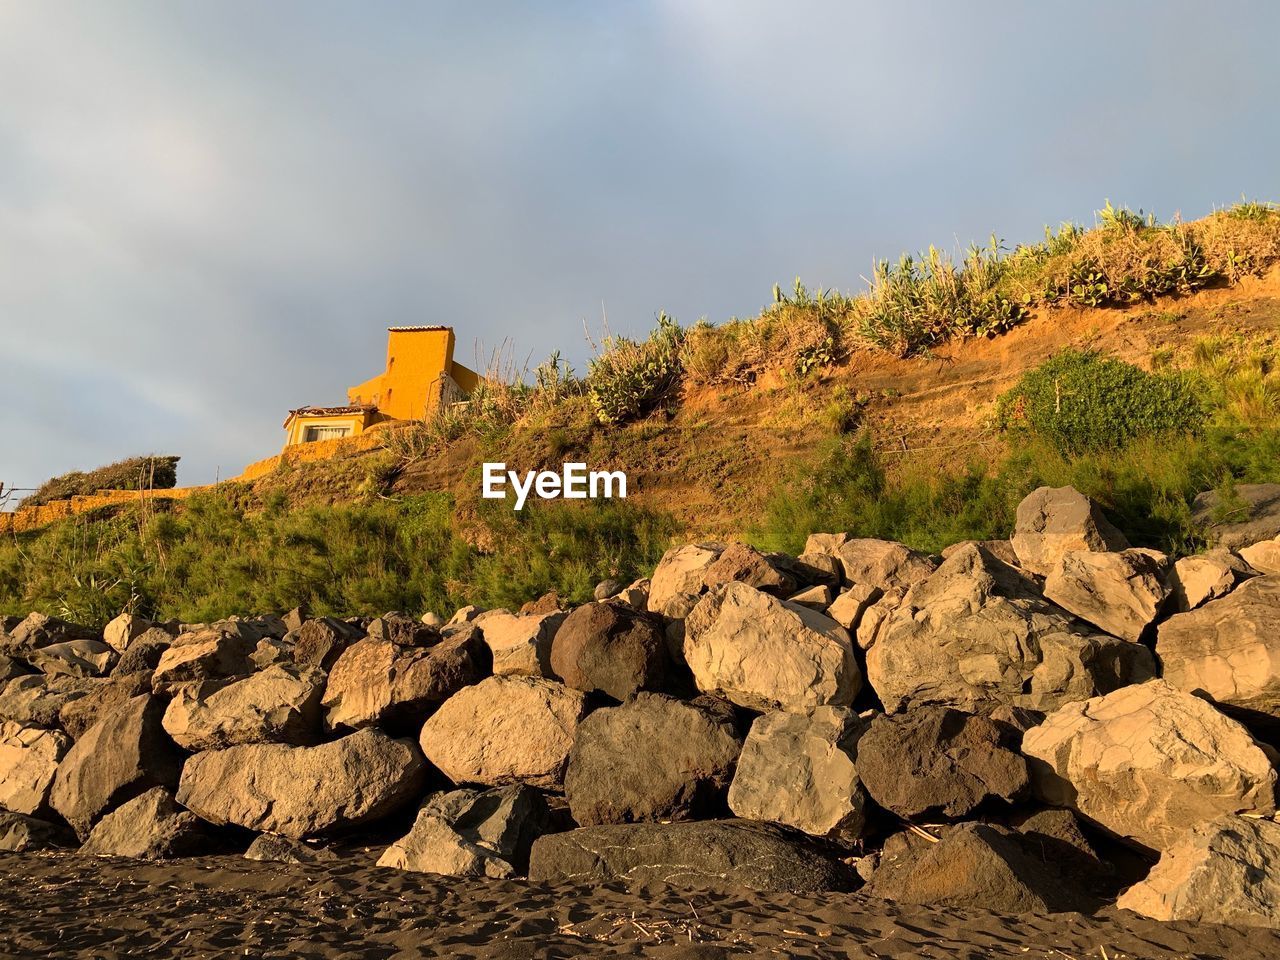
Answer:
(679, 577)
(653, 758)
(1052, 521)
(766, 654)
(29, 758)
(144, 653)
(1054, 836)
(1263, 557)
(816, 598)
(799, 770)
(79, 715)
(877, 614)
(739, 563)
(1252, 515)
(610, 648)
(402, 630)
(606, 589)
(274, 848)
(295, 618)
(376, 681)
(547, 603)
(820, 569)
(636, 594)
(1228, 648)
(505, 730)
(1002, 550)
(469, 833)
(432, 619)
(11, 668)
(215, 653)
(882, 563)
(37, 700)
(303, 791)
(319, 642)
(271, 651)
(148, 827)
(1120, 593)
(1225, 870)
(278, 705)
(465, 615)
(847, 609)
(977, 635)
(1197, 580)
(938, 761)
(39, 630)
(976, 866)
(520, 644)
(22, 834)
(74, 658)
(1148, 762)
(707, 855)
(121, 756)
(121, 632)
(825, 543)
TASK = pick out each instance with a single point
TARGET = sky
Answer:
(210, 212)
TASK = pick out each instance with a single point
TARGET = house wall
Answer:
(409, 387)
(298, 425)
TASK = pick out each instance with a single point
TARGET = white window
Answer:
(312, 434)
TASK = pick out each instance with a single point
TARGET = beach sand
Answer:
(64, 905)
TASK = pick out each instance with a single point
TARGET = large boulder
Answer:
(1228, 649)
(1195, 581)
(1119, 593)
(320, 641)
(1252, 513)
(278, 705)
(74, 658)
(472, 833)
(936, 761)
(698, 855)
(377, 681)
(883, 564)
(976, 866)
(22, 834)
(1225, 870)
(1148, 762)
(213, 653)
(37, 700)
(610, 648)
(767, 654)
(739, 563)
(1052, 521)
(679, 578)
(77, 716)
(505, 730)
(800, 770)
(977, 635)
(144, 653)
(122, 632)
(520, 644)
(653, 758)
(121, 756)
(1263, 556)
(303, 791)
(848, 608)
(39, 630)
(148, 827)
(29, 758)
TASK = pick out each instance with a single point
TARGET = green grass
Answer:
(216, 555)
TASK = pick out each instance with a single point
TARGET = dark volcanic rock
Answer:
(610, 648)
(278, 849)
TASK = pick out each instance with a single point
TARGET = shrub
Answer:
(629, 378)
(1080, 400)
(136, 473)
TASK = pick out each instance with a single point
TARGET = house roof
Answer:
(328, 411)
(415, 329)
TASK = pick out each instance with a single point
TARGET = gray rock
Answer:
(280, 704)
(1120, 593)
(274, 848)
(148, 827)
(144, 653)
(1252, 515)
(607, 588)
(403, 630)
(37, 700)
(653, 758)
(1052, 521)
(74, 658)
(708, 855)
(799, 770)
(1195, 581)
(105, 696)
(319, 642)
(216, 653)
(22, 834)
(40, 630)
(11, 668)
(121, 756)
(303, 791)
(938, 761)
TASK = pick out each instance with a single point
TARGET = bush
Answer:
(136, 473)
(629, 378)
(1080, 400)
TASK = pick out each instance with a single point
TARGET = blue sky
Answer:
(210, 212)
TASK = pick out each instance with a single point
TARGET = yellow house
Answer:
(420, 376)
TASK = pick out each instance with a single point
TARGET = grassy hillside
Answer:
(1138, 362)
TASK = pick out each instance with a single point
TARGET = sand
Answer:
(63, 905)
